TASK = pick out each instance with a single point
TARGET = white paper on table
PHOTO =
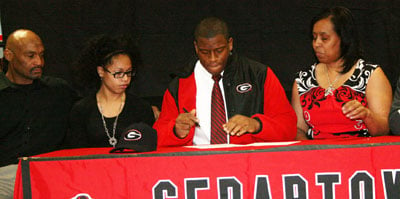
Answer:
(217, 146)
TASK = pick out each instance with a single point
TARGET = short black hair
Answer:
(210, 27)
(345, 27)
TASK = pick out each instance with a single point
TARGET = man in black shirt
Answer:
(33, 109)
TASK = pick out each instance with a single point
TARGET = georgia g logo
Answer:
(133, 135)
(82, 196)
(244, 88)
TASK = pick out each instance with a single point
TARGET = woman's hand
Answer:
(354, 110)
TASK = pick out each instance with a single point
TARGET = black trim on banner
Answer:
(200, 153)
(26, 178)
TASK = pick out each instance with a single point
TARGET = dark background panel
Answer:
(275, 33)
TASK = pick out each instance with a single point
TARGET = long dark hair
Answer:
(346, 29)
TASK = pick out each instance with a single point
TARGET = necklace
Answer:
(111, 139)
(330, 89)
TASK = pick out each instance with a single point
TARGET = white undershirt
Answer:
(204, 86)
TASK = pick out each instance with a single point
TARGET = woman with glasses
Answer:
(108, 64)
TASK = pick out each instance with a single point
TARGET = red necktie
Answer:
(218, 116)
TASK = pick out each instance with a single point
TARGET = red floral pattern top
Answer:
(323, 113)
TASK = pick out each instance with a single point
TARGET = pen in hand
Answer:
(196, 123)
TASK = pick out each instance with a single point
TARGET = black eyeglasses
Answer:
(120, 75)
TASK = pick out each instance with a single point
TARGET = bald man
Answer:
(33, 109)
(24, 52)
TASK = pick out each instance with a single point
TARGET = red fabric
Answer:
(166, 121)
(326, 142)
(324, 114)
(319, 107)
(218, 115)
(278, 122)
(18, 191)
(279, 119)
(136, 176)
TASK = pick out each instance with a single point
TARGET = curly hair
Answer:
(99, 51)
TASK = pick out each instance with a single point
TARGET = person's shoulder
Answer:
(61, 87)
(4, 82)
(136, 104)
(132, 96)
(91, 98)
(366, 65)
(136, 100)
(186, 69)
(239, 64)
(365, 69)
(176, 82)
(247, 62)
(85, 103)
(54, 82)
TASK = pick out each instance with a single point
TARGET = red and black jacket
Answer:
(251, 89)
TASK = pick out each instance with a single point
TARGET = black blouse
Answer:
(86, 125)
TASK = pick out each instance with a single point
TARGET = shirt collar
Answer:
(199, 68)
(5, 82)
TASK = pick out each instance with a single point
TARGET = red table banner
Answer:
(302, 170)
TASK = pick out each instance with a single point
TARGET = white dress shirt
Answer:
(204, 86)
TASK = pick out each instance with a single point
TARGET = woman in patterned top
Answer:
(342, 95)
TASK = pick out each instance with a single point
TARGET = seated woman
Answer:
(98, 119)
(394, 118)
(342, 95)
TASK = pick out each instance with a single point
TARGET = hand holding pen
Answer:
(196, 122)
(184, 122)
